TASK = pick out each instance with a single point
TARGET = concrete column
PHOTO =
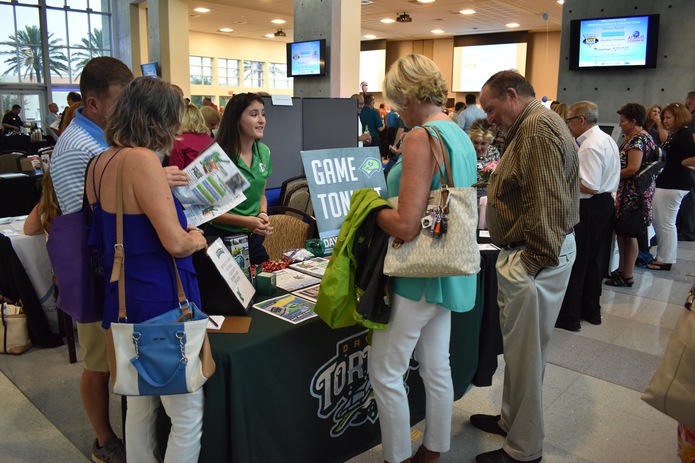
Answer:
(337, 21)
(168, 39)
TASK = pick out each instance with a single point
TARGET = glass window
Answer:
(200, 70)
(197, 100)
(278, 76)
(253, 74)
(228, 72)
(224, 101)
(21, 48)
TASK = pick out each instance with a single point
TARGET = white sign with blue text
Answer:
(332, 176)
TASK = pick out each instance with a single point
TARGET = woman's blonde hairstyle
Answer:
(212, 118)
(193, 121)
(479, 132)
(414, 78)
(48, 203)
(147, 114)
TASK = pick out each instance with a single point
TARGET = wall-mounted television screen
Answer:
(306, 58)
(622, 42)
(150, 69)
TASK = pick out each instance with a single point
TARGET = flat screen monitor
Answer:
(612, 129)
(306, 58)
(150, 69)
(614, 43)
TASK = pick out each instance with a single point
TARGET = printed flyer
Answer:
(289, 307)
(215, 186)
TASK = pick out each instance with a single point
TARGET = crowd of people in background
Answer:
(555, 228)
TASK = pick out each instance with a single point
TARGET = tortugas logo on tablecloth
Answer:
(342, 386)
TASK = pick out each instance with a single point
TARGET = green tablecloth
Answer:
(301, 393)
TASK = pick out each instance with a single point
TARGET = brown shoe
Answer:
(425, 456)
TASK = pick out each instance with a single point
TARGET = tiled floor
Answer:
(593, 411)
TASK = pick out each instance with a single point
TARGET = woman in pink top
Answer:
(194, 138)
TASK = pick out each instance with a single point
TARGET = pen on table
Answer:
(213, 322)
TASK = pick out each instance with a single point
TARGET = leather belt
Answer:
(518, 244)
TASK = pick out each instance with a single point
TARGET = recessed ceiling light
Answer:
(270, 36)
(467, 11)
(201, 10)
(370, 36)
(561, 2)
(388, 20)
(512, 24)
(226, 29)
(278, 21)
(437, 31)
(425, 1)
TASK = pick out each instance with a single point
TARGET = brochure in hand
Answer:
(215, 186)
(289, 307)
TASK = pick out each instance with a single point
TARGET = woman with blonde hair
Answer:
(421, 307)
(41, 217)
(212, 119)
(194, 138)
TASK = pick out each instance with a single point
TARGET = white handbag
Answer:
(440, 254)
(14, 336)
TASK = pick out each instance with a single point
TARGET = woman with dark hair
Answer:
(672, 184)
(241, 129)
(637, 150)
(144, 120)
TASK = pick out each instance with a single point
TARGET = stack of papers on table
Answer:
(315, 267)
(292, 280)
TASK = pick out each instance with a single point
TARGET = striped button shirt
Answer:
(79, 143)
(533, 196)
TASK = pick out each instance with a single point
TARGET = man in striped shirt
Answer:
(101, 81)
(533, 205)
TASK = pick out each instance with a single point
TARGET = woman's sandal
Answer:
(658, 266)
(618, 280)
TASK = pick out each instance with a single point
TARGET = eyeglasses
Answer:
(567, 121)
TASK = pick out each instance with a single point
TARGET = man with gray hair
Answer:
(533, 203)
(599, 175)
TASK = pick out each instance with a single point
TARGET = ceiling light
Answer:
(512, 24)
(201, 10)
(425, 1)
(467, 11)
(404, 18)
(278, 21)
(270, 36)
(388, 20)
(561, 2)
(370, 36)
(226, 29)
(437, 31)
(280, 33)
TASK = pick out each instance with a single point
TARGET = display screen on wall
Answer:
(622, 42)
(149, 69)
(473, 65)
(373, 69)
(306, 58)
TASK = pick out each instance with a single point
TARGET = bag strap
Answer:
(447, 183)
(118, 272)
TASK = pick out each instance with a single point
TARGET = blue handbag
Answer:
(165, 355)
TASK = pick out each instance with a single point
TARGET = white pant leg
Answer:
(388, 361)
(528, 310)
(665, 207)
(432, 352)
(140, 429)
(186, 414)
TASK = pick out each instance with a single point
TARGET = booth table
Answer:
(300, 393)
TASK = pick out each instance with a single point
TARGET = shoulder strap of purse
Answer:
(118, 272)
(449, 181)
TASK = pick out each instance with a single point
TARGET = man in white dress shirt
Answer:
(599, 172)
